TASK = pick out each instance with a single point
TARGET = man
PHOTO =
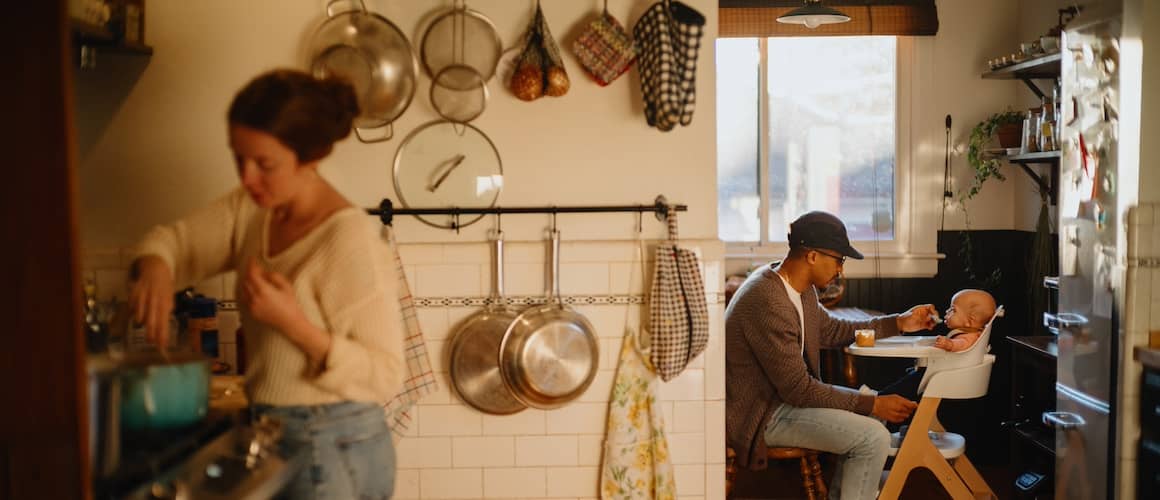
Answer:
(774, 328)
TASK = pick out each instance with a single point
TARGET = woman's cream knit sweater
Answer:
(344, 279)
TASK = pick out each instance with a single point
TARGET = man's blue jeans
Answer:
(861, 443)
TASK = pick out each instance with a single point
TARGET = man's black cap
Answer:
(822, 230)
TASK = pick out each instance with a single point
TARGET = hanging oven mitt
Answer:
(668, 37)
(419, 380)
(678, 312)
(604, 49)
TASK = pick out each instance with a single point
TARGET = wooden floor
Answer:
(782, 482)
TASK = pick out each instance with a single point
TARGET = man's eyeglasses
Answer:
(840, 258)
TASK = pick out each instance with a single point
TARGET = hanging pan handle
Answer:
(367, 139)
(350, 6)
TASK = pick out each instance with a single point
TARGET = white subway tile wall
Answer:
(454, 451)
(1142, 316)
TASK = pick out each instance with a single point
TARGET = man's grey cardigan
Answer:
(764, 366)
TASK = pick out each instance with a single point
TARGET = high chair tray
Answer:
(898, 347)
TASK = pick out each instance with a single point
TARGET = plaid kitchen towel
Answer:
(419, 380)
(678, 313)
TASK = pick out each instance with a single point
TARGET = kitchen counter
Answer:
(1150, 357)
(227, 392)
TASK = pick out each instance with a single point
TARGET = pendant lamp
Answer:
(812, 15)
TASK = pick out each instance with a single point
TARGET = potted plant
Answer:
(1007, 126)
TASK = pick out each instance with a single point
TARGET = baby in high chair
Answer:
(967, 316)
(969, 313)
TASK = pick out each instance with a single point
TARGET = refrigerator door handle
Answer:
(1063, 420)
(1064, 320)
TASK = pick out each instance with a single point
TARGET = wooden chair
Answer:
(811, 469)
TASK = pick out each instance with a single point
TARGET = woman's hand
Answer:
(943, 343)
(270, 298)
(918, 318)
(151, 297)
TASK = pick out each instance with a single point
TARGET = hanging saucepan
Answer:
(549, 355)
(474, 366)
(374, 55)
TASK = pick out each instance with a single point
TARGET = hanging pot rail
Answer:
(386, 210)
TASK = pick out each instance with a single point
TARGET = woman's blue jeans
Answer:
(861, 443)
(349, 446)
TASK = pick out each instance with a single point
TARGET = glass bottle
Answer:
(1047, 126)
(1030, 142)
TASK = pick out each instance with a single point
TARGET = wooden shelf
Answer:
(89, 34)
(1048, 183)
(1043, 67)
(1038, 157)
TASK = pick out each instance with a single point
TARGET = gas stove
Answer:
(222, 458)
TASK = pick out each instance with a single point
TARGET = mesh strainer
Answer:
(465, 37)
(459, 93)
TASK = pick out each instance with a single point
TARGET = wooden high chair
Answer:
(954, 375)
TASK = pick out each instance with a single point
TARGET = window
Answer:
(807, 124)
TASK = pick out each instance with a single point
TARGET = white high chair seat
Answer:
(971, 357)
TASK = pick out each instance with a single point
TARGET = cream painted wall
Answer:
(154, 147)
(970, 33)
(1149, 16)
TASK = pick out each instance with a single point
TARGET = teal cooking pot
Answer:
(159, 394)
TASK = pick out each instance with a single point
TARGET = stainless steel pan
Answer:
(474, 363)
(549, 355)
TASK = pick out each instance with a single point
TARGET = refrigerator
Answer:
(1091, 258)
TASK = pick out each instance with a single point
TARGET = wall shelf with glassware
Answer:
(89, 36)
(1044, 67)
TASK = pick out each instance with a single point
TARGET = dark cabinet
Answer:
(1033, 361)
(1148, 451)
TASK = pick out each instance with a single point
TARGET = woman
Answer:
(316, 285)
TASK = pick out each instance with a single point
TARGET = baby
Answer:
(969, 313)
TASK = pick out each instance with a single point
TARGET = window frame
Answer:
(896, 257)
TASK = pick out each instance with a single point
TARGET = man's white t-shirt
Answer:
(795, 297)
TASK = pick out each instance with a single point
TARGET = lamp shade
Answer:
(812, 15)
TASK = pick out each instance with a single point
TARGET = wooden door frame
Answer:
(43, 431)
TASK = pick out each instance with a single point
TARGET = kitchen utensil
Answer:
(460, 36)
(474, 366)
(447, 164)
(453, 103)
(549, 355)
(374, 56)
